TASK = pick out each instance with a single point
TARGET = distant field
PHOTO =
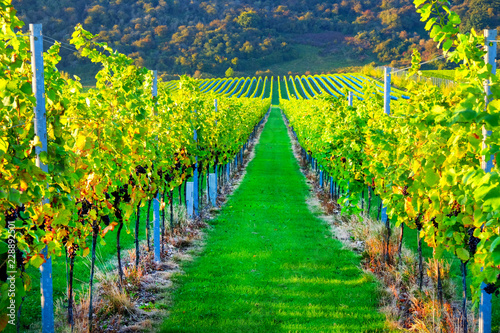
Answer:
(442, 74)
(315, 60)
(290, 86)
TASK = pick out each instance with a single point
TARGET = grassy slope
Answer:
(270, 265)
(443, 74)
(310, 59)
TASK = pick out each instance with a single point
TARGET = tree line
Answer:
(184, 37)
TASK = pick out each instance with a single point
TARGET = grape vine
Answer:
(110, 149)
(424, 160)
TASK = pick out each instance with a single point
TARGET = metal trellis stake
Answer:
(156, 201)
(387, 110)
(490, 58)
(38, 85)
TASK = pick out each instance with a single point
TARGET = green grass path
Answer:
(269, 264)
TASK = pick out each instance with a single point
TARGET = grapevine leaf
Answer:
(494, 244)
(37, 260)
(26, 88)
(496, 257)
(492, 119)
(418, 3)
(430, 23)
(431, 177)
(3, 247)
(463, 254)
(4, 144)
(15, 196)
(454, 18)
(492, 199)
(447, 45)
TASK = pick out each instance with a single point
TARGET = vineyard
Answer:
(304, 87)
(140, 166)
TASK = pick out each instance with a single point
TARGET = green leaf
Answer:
(44, 157)
(482, 191)
(3, 247)
(496, 257)
(431, 178)
(447, 45)
(37, 261)
(494, 244)
(492, 119)
(463, 254)
(492, 199)
(436, 29)
(467, 114)
(26, 88)
(430, 23)
(15, 196)
(454, 18)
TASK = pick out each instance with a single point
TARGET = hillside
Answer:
(188, 37)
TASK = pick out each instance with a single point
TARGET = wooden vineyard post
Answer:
(321, 178)
(190, 195)
(156, 201)
(36, 41)
(490, 58)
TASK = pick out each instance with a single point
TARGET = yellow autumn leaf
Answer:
(37, 260)
(80, 142)
(397, 189)
(4, 144)
(23, 186)
(410, 211)
(61, 233)
(93, 215)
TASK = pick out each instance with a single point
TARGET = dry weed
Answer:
(406, 307)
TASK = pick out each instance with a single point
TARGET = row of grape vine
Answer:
(425, 160)
(111, 149)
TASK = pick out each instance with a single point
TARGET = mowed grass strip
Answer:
(269, 264)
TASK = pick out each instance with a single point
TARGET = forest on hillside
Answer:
(196, 36)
